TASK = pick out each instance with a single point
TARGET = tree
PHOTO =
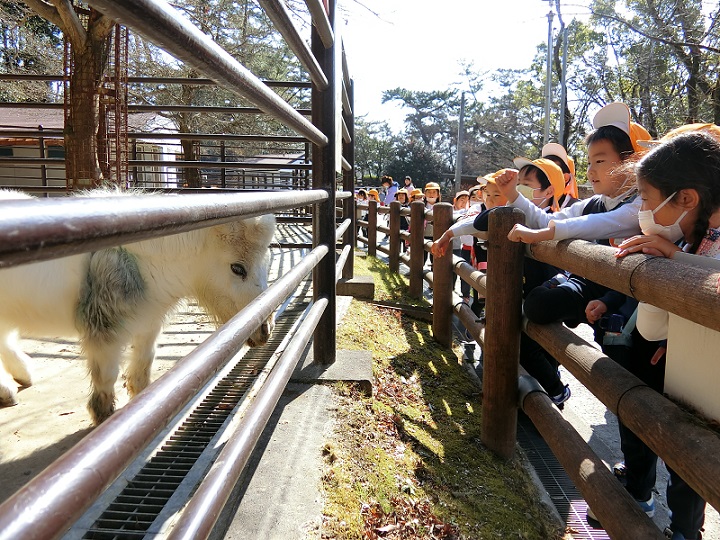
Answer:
(374, 149)
(29, 44)
(87, 31)
(415, 158)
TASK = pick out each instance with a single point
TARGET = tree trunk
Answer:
(81, 130)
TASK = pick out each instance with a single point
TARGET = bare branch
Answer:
(670, 42)
(71, 25)
(46, 11)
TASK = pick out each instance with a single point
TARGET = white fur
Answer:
(52, 298)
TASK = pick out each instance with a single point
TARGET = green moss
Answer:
(411, 454)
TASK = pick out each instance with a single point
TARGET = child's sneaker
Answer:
(561, 398)
(647, 506)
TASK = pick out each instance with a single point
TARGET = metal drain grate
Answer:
(565, 496)
(137, 506)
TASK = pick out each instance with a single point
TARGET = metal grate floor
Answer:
(136, 508)
(568, 501)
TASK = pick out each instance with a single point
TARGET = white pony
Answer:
(119, 296)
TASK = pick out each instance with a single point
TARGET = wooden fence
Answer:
(692, 450)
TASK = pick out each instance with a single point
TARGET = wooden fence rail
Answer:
(689, 448)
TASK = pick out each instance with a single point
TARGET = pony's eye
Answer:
(239, 270)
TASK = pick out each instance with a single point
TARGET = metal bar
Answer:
(340, 231)
(342, 261)
(281, 19)
(211, 137)
(47, 505)
(213, 164)
(202, 511)
(321, 22)
(151, 108)
(349, 185)
(345, 164)
(152, 80)
(169, 29)
(42, 229)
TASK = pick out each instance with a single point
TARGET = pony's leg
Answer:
(104, 366)
(8, 389)
(137, 374)
(16, 362)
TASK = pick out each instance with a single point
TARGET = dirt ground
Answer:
(51, 415)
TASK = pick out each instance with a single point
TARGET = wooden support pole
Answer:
(417, 241)
(394, 261)
(442, 278)
(502, 339)
(372, 227)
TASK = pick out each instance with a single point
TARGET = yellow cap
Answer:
(432, 185)
(551, 170)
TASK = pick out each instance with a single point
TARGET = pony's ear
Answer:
(258, 231)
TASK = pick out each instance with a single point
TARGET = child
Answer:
(461, 204)
(557, 154)
(432, 196)
(401, 195)
(544, 183)
(606, 217)
(680, 192)
(390, 187)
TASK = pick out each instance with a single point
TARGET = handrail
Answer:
(41, 229)
(321, 22)
(204, 508)
(693, 294)
(48, 504)
(168, 28)
(281, 19)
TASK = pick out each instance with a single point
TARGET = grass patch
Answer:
(408, 461)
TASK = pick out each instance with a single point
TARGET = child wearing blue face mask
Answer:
(679, 184)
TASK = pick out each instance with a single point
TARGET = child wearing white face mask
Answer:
(680, 190)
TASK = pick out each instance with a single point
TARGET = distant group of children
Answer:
(652, 197)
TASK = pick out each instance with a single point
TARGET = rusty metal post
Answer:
(442, 278)
(417, 241)
(325, 167)
(394, 261)
(372, 227)
(502, 335)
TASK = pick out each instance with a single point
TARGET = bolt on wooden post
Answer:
(502, 333)
(442, 278)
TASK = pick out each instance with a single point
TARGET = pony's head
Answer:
(234, 270)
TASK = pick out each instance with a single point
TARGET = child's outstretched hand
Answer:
(650, 245)
(507, 184)
(594, 310)
(521, 233)
(439, 246)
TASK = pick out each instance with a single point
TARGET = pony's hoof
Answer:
(101, 407)
(24, 381)
(8, 400)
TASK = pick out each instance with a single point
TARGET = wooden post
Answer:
(394, 261)
(372, 227)
(502, 334)
(442, 278)
(417, 241)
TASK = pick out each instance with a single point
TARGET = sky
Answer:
(419, 44)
